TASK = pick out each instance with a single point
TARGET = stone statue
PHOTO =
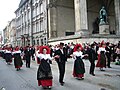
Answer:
(103, 16)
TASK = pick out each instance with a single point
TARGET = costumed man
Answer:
(44, 73)
(108, 54)
(33, 52)
(27, 53)
(79, 67)
(17, 58)
(61, 58)
(8, 55)
(101, 63)
(92, 54)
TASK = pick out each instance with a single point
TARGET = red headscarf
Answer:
(17, 48)
(44, 47)
(102, 43)
(76, 46)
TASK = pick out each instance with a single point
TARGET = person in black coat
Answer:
(108, 54)
(61, 58)
(27, 56)
(92, 54)
(32, 53)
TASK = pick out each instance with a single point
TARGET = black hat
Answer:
(62, 44)
(92, 45)
(107, 43)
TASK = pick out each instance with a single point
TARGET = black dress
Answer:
(79, 67)
(44, 73)
(17, 60)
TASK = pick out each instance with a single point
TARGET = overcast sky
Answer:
(7, 9)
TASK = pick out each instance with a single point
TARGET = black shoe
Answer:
(49, 87)
(62, 83)
(93, 74)
(78, 78)
(109, 67)
(46, 87)
(101, 69)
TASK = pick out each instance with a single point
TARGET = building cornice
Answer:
(22, 2)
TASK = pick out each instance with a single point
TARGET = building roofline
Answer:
(21, 4)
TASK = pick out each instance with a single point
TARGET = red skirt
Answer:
(78, 75)
(45, 82)
(10, 61)
(99, 62)
(18, 66)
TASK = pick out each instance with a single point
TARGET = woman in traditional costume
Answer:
(79, 68)
(101, 57)
(8, 55)
(17, 58)
(44, 74)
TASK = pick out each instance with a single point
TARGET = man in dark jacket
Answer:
(92, 54)
(28, 56)
(61, 58)
(108, 54)
(32, 53)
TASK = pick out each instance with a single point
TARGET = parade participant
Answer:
(101, 57)
(92, 54)
(44, 74)
(61, 58)
(27, 53)
(108, 54)
(33, 52)
(118, 55)
(8, 55)
(36, 53)
(1, 51)
(79, 68)
(17, 58)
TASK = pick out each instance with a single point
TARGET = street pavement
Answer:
(25, 79)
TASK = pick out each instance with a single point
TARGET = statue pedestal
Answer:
(104, 29)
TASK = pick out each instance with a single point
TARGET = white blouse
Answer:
(44, 56)
(78, 54)
(101, 49)
(16, 52)
(8, 51)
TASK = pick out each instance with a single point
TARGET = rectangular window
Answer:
(37, 27)
(41, 25)
(42, 42)
(33, 42)
(33, 12)
(38, 42)
(69, 33)
(38, 10)
(33, 28)
(45, 40)
(41, 8)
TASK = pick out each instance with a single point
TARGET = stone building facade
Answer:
(31, 22)
(9, 33)
(51, 21)
(76, 21)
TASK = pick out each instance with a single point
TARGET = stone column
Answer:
(81, 22)
(117, 16)
(52, 16)
(31, 25)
